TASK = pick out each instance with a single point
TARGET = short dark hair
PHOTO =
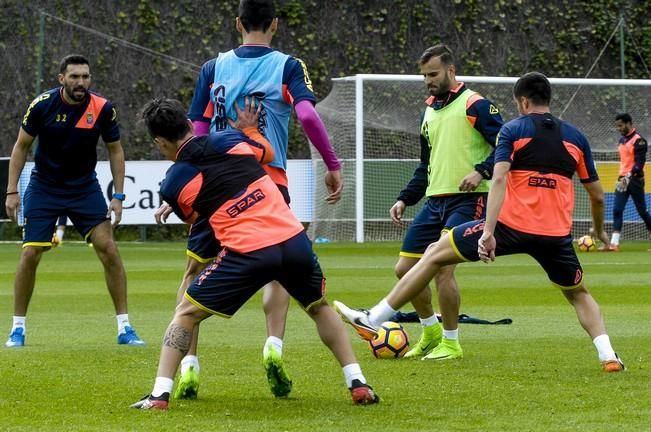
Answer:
(440, 50)
(625, 117)
(165, 118)
(76, 59)
(256, 15)
(534, 86)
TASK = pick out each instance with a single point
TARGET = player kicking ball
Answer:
(529, 210)
(219, 177)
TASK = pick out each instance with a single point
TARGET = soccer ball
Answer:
(391, 341)
(586, 244)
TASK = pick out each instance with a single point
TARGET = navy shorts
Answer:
(226, 284)
(440, 214)
(203, 246)
(556, 255)
(85, 207)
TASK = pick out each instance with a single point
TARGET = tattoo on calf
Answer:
(178, 337)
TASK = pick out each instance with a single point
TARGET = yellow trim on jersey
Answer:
(454, 246)
(196, 257)
(203, 308)
(38, 244)
(38, 99)
(411, 255)
(567, 288)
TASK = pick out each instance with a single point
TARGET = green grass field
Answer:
(538, 374)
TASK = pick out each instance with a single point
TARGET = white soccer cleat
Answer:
(358, 318)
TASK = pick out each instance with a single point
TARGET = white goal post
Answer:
(373, 123)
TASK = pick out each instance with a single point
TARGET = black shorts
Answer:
(226, 284)
(556, 255)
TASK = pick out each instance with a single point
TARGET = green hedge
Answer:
(335, 38)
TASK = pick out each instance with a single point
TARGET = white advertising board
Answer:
(142, 183)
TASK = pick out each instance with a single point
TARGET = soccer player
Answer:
(218, 177)
(457, 137)
(68, 121)
(280, 82)
(632, 149)
(529, 210)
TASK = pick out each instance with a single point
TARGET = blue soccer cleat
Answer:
(16, 338)
(129, 337)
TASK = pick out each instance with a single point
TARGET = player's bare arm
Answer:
(16, 165)
(596, 194)
(116, 161)
(487, 244)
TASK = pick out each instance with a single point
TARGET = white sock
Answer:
(426, 322)
(123, 321)
(451, 334)
(162, 385)
(381, 312)
(605, 350)
(276, 343)
(60, 233)
(19, 321)
(189, 360)
(352, 372)
(615, 238)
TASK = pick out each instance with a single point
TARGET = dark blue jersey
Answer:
(67, 137)
(544, 153)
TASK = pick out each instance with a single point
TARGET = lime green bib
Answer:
(455, 147)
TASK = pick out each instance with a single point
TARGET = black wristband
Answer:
(11, 193)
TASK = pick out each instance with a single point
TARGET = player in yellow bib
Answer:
(458, 135)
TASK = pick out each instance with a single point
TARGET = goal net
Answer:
(373, 121)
